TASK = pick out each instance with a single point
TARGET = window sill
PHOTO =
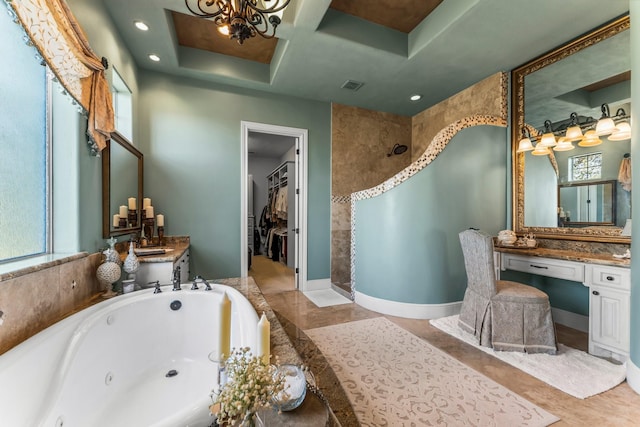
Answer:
(13, 269)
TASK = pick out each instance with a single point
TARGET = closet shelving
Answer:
(280, 176)
(284, 176)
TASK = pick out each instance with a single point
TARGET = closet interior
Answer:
(277, 216)
(272, 182)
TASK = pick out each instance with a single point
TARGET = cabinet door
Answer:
(149, 272)
(609, 317)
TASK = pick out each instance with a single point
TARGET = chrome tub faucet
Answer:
(176, 279)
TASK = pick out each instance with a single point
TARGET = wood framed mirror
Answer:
(580, 77)
(590, 203)
(122, 172)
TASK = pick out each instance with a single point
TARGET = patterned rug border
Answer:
(521, 408)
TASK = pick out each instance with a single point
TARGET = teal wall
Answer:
(191, 140)
(407, 247)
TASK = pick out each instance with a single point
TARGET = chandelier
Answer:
(241, 19)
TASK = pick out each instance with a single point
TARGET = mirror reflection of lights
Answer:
(617, 127)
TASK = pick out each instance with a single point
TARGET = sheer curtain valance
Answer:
(57, 35)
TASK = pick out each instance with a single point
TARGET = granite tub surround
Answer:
(42, 295)
(326, 378)
(35, 264)
(280, 344)
(298, 354)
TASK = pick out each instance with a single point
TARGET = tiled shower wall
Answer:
(361, 141)
(32, 302)
(362, 138)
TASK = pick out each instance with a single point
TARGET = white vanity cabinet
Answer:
(609, 297)
(609, 314)
(150, 271)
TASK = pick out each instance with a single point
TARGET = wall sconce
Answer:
(564, 144)
(548, 138)
(525, 143)
(574, 132)
(605, 125)
(622, 131)
(617, 127)
(590, 139)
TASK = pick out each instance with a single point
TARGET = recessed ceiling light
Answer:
(141, 25)
(154, 57)
(416, 97)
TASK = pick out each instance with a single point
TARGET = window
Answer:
(585, 167)
(24, 154)
(122, 105)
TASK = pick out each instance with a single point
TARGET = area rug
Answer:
(326, 297)
(572, 371)
(394, 378)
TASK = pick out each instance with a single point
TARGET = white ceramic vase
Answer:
(131, 263)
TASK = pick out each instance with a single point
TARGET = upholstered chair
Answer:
(507, 316)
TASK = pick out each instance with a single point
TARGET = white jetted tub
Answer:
(134, 360)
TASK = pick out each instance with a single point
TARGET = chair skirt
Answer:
(517, 318)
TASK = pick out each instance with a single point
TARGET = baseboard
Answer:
(341, 291)
(633, 376)
(315, 285)
(572, 320)
(405, 309)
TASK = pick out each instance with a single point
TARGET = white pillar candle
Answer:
(224, 328)
(160, 220)
(123, 211)
(264, 339)
(149, 212)
(132, 204)
(116, 220)
(146, 202)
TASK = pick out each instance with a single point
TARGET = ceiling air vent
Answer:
(352, 85)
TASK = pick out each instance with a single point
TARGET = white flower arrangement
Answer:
(250, 385)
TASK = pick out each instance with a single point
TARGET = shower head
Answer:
(397, 149)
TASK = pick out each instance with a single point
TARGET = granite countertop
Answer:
(319, 408)
(568, 255)
(175, 247)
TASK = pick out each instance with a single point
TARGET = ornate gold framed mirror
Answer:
(576, 84)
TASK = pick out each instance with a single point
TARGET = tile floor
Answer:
(617, 407)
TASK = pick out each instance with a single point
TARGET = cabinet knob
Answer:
(610, 278)
(595, 293)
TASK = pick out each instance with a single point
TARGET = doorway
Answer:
(285, 149)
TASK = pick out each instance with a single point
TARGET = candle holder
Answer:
(133, 217)
(122, 222)
(143, 213)
(161, 235)
(148, 229)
